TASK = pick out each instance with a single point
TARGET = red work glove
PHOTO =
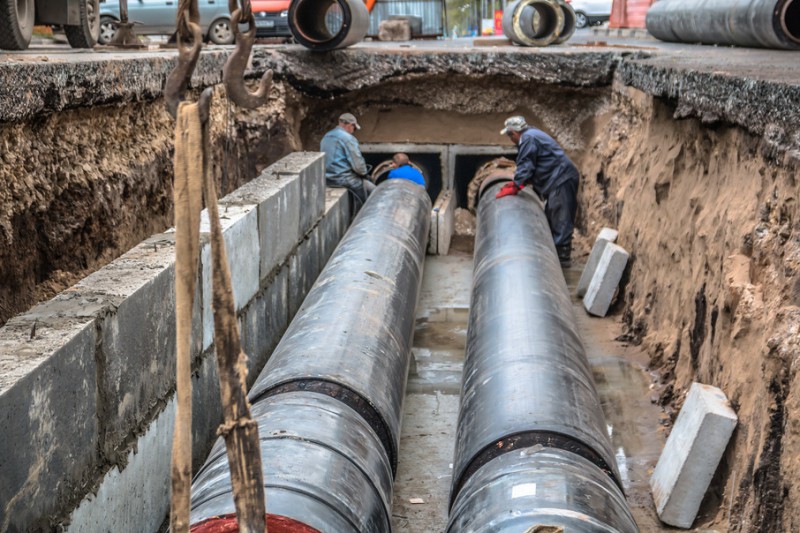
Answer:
(509, 189)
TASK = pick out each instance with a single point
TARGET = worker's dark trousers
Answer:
(560, 209)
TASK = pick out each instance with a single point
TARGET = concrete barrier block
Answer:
(279, 223)
(446, 221)
(335, 222)
(692, 454)
(48, 412)
(605, 236)
(310, 168)
(604, 282)
(243, 248)
(264, 321)
(304, 267)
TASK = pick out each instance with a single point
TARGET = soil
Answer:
(712, 290)
(81, 187)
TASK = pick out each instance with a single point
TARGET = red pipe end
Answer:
(228, 524)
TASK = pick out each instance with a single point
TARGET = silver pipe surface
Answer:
(323, 465)
(323, 25)
(541, 486)
(526, 377)
(351, 338)
(759, 23)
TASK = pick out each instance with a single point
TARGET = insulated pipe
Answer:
(759, 23)
(323, 25)
(351, 339)
(541, 486)
(533, 22)
(324, 468)
(526, 378)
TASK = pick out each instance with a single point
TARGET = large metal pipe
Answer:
(351, 339)
(323, 25)
(541, 486)
(324, 467)
(329, 401)
(527, 381)
(759, 23)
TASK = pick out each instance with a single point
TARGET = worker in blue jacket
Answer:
(403, 170)
(344, 164)
(542, 164)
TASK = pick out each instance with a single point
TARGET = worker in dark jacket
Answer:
(403, 170)
(542, 164)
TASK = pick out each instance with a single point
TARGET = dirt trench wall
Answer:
(712, 291)
(80, 187)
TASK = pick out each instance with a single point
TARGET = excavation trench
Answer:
(708, 213)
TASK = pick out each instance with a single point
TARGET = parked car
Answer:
(591, 12)
(157, 17)
(272, 18)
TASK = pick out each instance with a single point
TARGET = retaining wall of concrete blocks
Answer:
(87, 379)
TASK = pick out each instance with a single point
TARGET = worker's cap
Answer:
(349, 118)
(514, 124)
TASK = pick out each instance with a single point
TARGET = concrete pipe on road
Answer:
(534, 22)
(323, 25)
(527, 382)
(759, 23)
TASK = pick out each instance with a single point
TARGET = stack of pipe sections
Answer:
(329, 402)
(323, 25)
(532, 447)
(756, 23)
(538, 22)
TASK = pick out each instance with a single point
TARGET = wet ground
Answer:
(431, 408)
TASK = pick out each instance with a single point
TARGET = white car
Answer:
(590, 12)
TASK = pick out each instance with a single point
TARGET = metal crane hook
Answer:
(233, 71)
(179, 78)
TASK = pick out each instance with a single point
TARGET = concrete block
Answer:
(310, 168)
(446, 221)
(605, 280)
(135, 498)
(692, 454)
(335, 222)
(605, 236)
(264, 321)
(243, 248)
(394, 30)
(279, 223)
(48, 412)
(304, 267)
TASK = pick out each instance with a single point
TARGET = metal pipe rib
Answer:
(527, 383)
(758, 23)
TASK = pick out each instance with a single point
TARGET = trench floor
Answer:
(422, 487)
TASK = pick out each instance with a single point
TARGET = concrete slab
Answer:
(48, 406)
(605, 236)
(279, 223)
(446, 221)
(604, 282)
(146, 475)
(336, 221)
(691, 455)
(243, 248)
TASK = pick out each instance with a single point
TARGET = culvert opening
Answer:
(791, 20)
(430, 164)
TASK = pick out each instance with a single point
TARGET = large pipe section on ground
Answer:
(759, 23)
(531, 445)
(538, 22)
(329, 401)
(323, 25)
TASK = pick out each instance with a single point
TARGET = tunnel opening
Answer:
(430, 164)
